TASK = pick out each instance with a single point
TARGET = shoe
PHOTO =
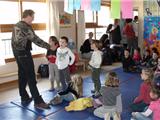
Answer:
(93, 91)
(56, 100)
(26, 100)
(96, 95)
(42, 106)
(52, 89)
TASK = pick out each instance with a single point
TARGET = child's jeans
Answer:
(139, 116)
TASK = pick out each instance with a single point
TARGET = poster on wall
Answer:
(65, 19)
(152, 32)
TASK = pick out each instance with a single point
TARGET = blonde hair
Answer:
(149, 73)
(77, 84)
(112, 80)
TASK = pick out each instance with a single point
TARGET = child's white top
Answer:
(65, 57)
(96, 59)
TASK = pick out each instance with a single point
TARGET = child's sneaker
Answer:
(56, 100)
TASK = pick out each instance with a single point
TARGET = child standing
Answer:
(144, 99)
(154, 107)
(51, 56)
(95, 63)
(65, 57)
(111, 99)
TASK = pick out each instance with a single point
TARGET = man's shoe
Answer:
(26, 100)
(42, 106)
(93, 91)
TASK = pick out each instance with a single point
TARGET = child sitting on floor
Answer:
(136, 56)
(152, 63)
(110, 99)
(143, 100)
(157, 71)
(127, 62)
(146, 57)
(154, 107)
(73, 92)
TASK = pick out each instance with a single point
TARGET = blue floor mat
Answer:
(129, 87)
(74, 115)
(9, 111)
(47, 97)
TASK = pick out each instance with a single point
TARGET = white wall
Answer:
(139, 5)
(12, 67)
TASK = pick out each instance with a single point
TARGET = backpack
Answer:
(43, 70)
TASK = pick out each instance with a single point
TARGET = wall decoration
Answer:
(65, 20)
(152, 32)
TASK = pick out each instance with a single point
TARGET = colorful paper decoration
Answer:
(95, 5)
(115, 9)
(127, 8)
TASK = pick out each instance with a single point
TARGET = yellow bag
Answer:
(79, 104)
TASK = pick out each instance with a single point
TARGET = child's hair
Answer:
(77, 84)
(97, 43)
(54, 39)
(156, 89)
(65, 38)
(112, 80)
(149, 72)
(127, 50)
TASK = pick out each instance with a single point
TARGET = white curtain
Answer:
(53, 18)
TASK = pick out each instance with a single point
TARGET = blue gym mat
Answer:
(129, 87)
(9, 111)
(47, 96)
(78, 115)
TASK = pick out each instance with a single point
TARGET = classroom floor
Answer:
(11, 92)
(11, 107)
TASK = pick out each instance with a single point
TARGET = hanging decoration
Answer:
(127, 9)
(115, 9)
(71, 5)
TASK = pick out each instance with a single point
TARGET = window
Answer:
(8, 19)
(40, 10)
(9, 14)
(97, 22)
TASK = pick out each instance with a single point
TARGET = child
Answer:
(152, 63)
(146, 57)
(94, 64)
(73, 92)
(154, 107)
(65, 57)
(157, 71)
(143, 99)
(111, 99)
(51, 56)
(136, 56)
(127, 62)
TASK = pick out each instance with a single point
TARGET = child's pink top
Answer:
(144, 93)
(155, 107)
(136, 57)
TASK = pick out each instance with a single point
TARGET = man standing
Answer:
(135, 27)
(22, 38)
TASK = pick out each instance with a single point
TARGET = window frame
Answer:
(8, 27)
(95, 25)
